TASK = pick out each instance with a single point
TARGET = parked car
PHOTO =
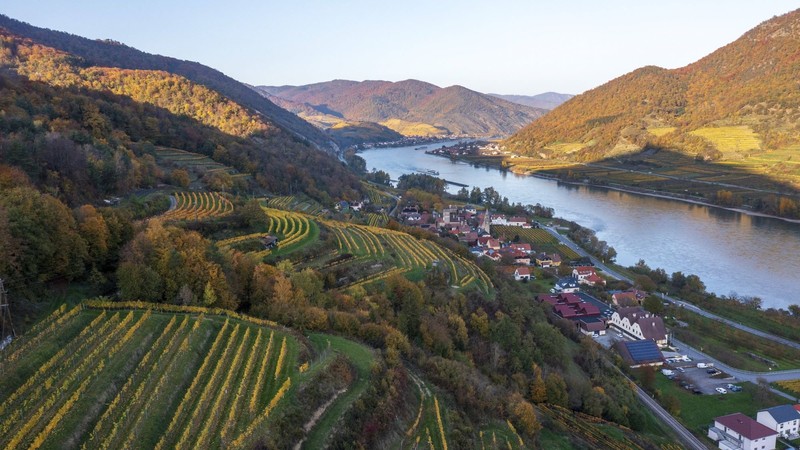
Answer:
(736, 389)
(696, 391)
(681, 370)
(721, 390)
(711, 371)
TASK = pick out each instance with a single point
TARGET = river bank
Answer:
(484, 162)
(731, 251)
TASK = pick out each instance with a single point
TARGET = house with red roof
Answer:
(522, 273)
(517, 221)
(737, 431)
(587, 275)
(544, 260)
(522, 247)
(631, 297)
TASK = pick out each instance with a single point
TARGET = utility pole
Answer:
(6, 325)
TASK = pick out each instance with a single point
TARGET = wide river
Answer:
(730, 251)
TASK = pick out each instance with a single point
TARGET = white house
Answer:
(567, 285)
(522, 273)
(640, 324)
(737, 431)
(499, 219)
(784, 419)
(517, 221)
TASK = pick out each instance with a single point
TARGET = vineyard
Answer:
(408, 252)
(198, 206)
(428, 428)
(122, 378)
(293, 203)
(594, 432)
(540, 240)
(293, 230)
(790, 385)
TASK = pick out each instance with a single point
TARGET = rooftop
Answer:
(783, 413)
(744, 425)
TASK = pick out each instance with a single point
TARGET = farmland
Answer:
(117, 377)
(540, 240)
(198, 206)
(408, 252)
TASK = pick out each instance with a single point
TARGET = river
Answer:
(731, 252)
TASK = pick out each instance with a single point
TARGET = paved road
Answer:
(676, 301)
(742, 375)
(690, 440)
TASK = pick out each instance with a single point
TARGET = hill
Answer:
(106, 53)
(108, 114)
(547, 100)
(738, 106)
(451, 110)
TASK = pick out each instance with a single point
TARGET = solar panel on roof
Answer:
(643, 350)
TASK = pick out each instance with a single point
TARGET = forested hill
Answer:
(410, 107)
(83, 132)
(104, 53)
(750, 83)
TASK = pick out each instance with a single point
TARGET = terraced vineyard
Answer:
(198, 206)
(594, 432)
(196, 162)
(408, 252)
(377, 220)
(123, 378)
(293, 203)
(731, 139)
(540, 240)
(428, 428)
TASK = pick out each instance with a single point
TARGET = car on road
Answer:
(721, 390)
(681, 369)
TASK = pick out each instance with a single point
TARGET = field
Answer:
(792, 386)
(540, 240)
(660, 131)
(593, 432)
(197, 206)
(731, 139)
(408, 252)
(302, 205)
(428, 428)
(734, 347)
(413, 128)
(110, 375)
(697, 411)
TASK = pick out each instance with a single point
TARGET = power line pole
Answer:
(6, 325)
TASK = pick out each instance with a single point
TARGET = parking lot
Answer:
(701, 380)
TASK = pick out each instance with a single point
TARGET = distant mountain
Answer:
(548, 100)
(738, 101)
(105, 53)
(408, 107)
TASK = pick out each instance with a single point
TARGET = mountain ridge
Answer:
(453, 109)
(105, 53)
(748, 82)
(545, 100)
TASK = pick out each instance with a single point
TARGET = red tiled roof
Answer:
(523, 271)
(745, 426)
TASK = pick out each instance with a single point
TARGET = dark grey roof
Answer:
(783, 413)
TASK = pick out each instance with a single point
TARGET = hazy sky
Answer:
(501, 46)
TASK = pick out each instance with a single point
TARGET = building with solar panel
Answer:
(640, 353)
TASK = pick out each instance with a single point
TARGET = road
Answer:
(741, 375)
(676, 301)
(688, 439)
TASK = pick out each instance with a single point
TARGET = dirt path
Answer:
(317, 414)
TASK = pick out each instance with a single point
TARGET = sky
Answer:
(499, 46)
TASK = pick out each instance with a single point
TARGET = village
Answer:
(622, 324)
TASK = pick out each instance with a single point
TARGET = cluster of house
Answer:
(740, 432)
(586, 275)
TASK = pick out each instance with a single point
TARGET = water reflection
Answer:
(730, 251)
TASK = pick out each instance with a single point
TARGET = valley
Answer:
(191, 261)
